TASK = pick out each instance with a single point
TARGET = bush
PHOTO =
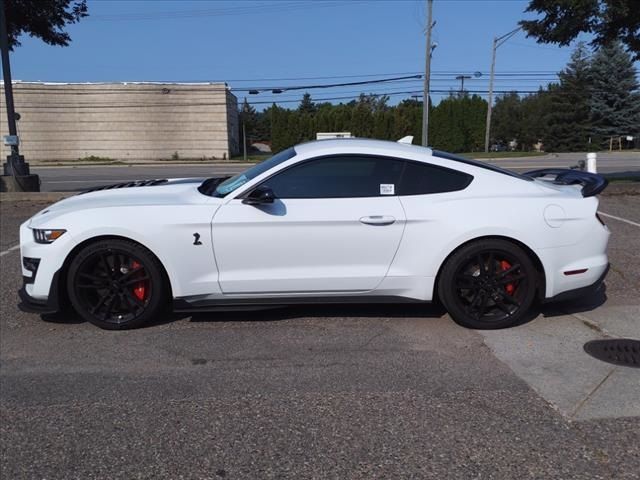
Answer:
(94, 158)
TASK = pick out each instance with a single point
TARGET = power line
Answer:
(211, 89)
(415, 93)
(328, 85)
(28, 88)
(279, 98)
(329, 77)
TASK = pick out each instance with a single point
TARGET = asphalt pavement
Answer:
(80, 177)
(323, 391)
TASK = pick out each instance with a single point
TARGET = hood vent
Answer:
(137, 183)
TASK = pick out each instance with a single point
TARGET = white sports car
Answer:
(347, 220)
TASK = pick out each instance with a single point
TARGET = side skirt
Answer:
(187, 304)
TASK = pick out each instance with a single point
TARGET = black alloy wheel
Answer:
(488, 284)
(116, 284)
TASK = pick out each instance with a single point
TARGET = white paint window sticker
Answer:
(387, 189)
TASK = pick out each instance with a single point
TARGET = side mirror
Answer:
(260, 196)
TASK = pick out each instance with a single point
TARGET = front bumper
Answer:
(35, 305)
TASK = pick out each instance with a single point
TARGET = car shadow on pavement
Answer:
(282, 313)
(278, 313)
(578, 305)
(66, 316)
(271, 314)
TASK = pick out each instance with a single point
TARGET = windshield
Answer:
(231, 184)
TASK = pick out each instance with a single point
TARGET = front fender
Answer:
(167, 231)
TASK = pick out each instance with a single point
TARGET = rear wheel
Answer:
(116, 284)
(488, 284)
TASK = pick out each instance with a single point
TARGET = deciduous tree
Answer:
(607, 20)
(45, 19)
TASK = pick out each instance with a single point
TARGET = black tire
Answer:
(117, 284)
(488, 284)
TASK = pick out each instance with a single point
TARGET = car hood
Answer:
(178, 191)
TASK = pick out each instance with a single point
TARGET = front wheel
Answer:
(488, 284)
(116, 284)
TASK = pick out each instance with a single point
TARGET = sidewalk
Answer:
(548, 354)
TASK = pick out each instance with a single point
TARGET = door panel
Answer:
(306, 244)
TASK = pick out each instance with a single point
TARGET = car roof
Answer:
(365, 144)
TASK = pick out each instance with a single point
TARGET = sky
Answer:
(257, 44)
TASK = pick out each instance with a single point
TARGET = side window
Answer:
(420, 179)
(338, 177)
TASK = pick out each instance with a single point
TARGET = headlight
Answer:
(46, 236)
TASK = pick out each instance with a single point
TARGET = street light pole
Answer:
(6, 74)
(497, 41)
(427, 77)
(15, 166)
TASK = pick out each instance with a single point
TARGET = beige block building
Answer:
(124, 121)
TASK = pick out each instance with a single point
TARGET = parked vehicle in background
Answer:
(329, 135)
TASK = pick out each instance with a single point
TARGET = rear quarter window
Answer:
(421, 179)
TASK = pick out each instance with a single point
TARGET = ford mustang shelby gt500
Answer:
(347, 220)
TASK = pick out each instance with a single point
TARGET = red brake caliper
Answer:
(139, 288)
(509, 287)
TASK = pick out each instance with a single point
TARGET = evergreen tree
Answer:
(293, 133)
(278, 129)
(382, 125)
(615, 101)
(379, 103)
(362, 117)
(263, 125)
(323, 119)
(474, 111)
(307, 105)
(446, 134)
(569, 117)
(407, 120)
(534, 109)
(248, 119)
(506, 123)
(458, 123)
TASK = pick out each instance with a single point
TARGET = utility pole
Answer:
(497, 41)
(427, 77)
(16, 171)
(462, 79)
(244, 141)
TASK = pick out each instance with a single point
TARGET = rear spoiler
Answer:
(592, 183)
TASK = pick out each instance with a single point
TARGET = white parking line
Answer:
(9, 250)
(620, 219)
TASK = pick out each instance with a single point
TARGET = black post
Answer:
(15, 166)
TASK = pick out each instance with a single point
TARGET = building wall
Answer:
(124, 121)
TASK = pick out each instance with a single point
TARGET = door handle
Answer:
(378, 220)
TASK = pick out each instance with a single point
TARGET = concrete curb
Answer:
(34, 196)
